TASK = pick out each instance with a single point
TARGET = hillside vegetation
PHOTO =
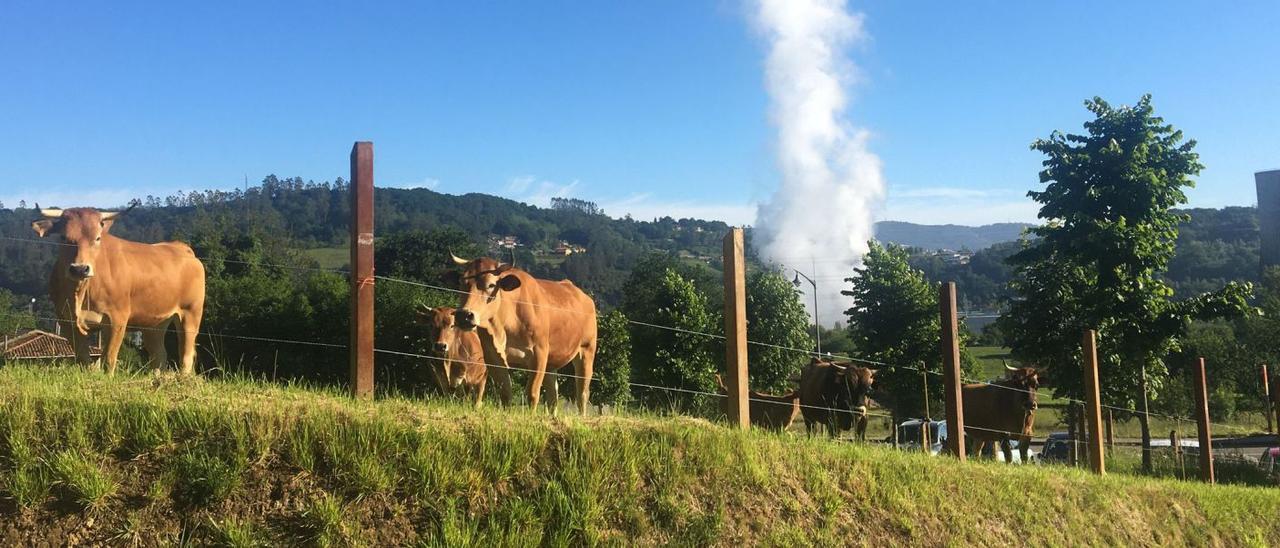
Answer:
(142, 459)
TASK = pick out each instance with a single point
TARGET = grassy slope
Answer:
(84, 459)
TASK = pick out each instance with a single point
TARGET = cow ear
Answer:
(42, 227)
(509, 282)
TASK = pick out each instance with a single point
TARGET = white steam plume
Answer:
(819, 219)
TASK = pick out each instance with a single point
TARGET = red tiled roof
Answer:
(36, 344)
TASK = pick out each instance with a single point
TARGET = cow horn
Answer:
(1006, 366)
(108, 215)
(50, 212)
(458, 260)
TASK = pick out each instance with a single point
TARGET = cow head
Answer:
(81, 230)
(1027, 380)
(854, 383)
(482, 281)
(441, 334)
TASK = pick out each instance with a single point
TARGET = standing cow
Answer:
(1002, 410)
(462, 365)
(835, 394)
(103, 281)
(766, 410)
(549, 323)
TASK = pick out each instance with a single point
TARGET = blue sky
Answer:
(648, 107)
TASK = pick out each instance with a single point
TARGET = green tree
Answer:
(894, 320)
(1098, 260)
(423, 255)
(675, 357)
(613, 361)
(14, 315)
(776, 318)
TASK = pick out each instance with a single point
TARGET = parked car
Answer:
(909, 438)
(1269, 459)
(1057, 447)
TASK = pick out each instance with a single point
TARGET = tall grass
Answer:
(236, 461)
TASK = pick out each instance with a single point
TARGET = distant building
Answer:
(41, 345)
(1268, 184)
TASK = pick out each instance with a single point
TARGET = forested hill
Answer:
(572, 239)
(948, 236)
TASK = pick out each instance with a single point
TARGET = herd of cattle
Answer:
(505, 319)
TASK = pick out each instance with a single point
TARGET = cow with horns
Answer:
(528, 323)
(1002, 410)
(101, 281)
(835, 394)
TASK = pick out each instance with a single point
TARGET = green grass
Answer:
(330, 257)
(85, 479)
(241, 463)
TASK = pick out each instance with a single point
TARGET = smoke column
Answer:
(830, 181)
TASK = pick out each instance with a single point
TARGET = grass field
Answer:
(153, 460)
(330, 257)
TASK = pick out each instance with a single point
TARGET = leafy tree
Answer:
(1098, 259)
(673, 358)
(776, 318)
(14, 316)
(894, 320)
(423, 255)
(613, 361)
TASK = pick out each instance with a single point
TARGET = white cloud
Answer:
(537, 192)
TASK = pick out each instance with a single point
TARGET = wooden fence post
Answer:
(1093, 410)
(953, 383)
(1266, 399)
(735, 329)
(1111, 431)
(1202, 422)
(362, 269)
(1175, 442)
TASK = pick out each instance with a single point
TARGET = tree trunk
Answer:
(1144, 420)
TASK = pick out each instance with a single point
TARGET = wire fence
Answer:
(803, 351)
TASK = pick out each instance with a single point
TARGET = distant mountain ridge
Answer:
(948, 236)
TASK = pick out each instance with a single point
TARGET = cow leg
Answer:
(479, 390)
(1024, 445)
(153, 342)
(1007, 450)
(115, 336)
(975, 447)
(862, 428)
(81, 345)
(553, 393)
(582, 367)
(503, 378)
(539, 373)
(190, 323)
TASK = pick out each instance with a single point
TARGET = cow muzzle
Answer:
(465, 319)
(441, 347)
(80, 271)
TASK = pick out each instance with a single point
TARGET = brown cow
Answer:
(767, 411)
(1001, 411)
(461, 364)
(101, 280)
(835, 394)
(550, 323)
